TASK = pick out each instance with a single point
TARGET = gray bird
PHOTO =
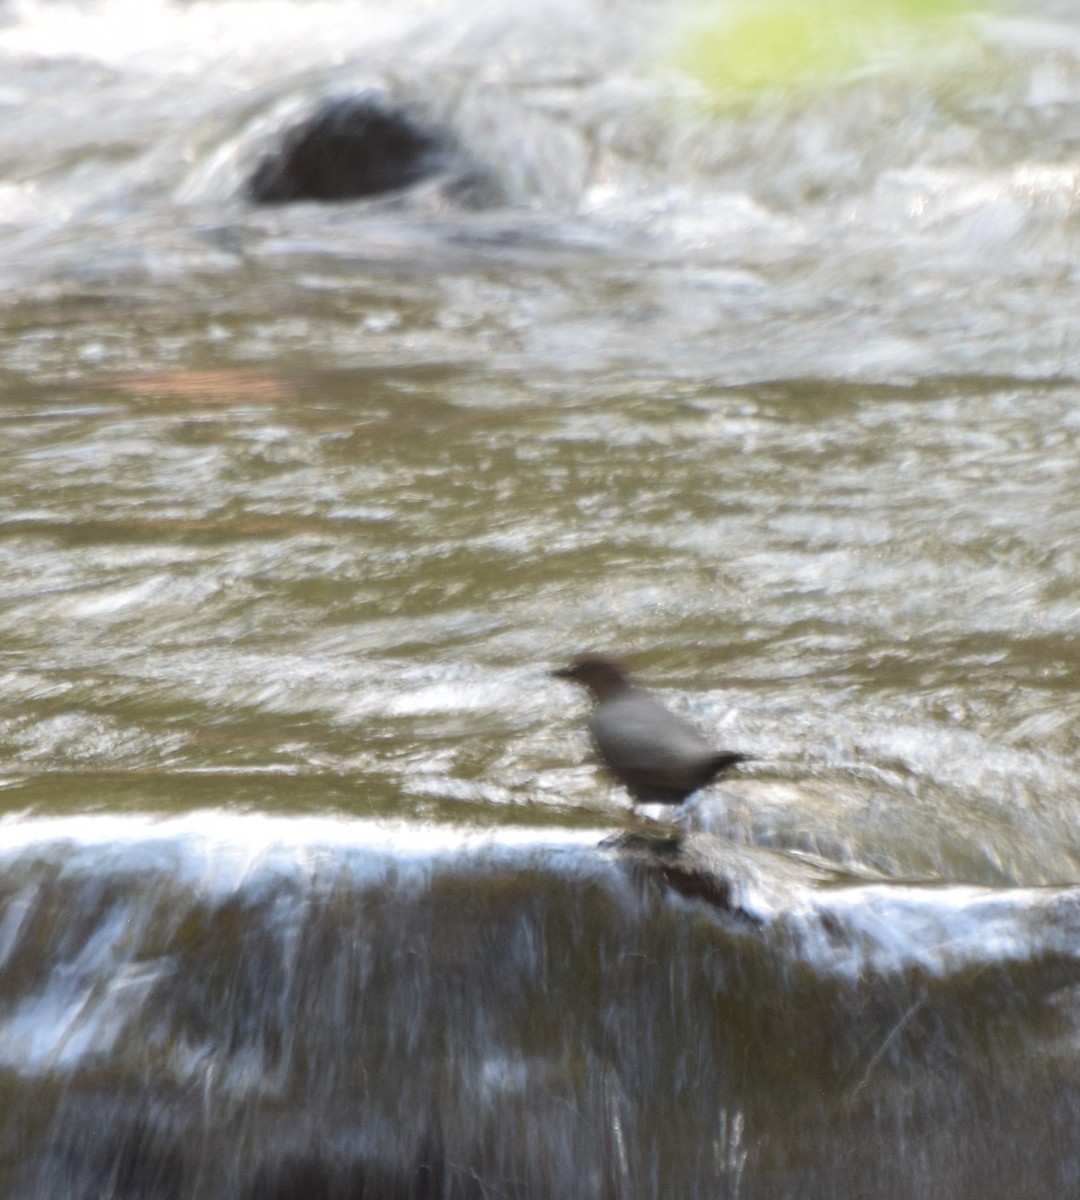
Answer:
(657, 756)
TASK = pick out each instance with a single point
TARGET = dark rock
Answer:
(734, 879)
(350, 148)
(657, 756)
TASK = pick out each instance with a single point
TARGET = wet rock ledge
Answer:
(727, 876)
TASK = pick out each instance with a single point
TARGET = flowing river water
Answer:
(308, 885)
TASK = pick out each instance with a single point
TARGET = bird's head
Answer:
(603, 676)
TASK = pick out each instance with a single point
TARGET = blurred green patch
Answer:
(741, 48)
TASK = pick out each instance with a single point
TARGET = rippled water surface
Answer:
(299, 506)
(344, 589)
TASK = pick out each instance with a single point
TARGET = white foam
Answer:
(221, 847)
(886, 928)
(174, 39)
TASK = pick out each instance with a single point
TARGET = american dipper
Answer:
(657, 756)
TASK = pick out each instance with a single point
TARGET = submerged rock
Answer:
(354, 147)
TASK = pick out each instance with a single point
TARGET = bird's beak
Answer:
(562, 673)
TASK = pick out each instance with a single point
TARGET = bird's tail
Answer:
(727, 758)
